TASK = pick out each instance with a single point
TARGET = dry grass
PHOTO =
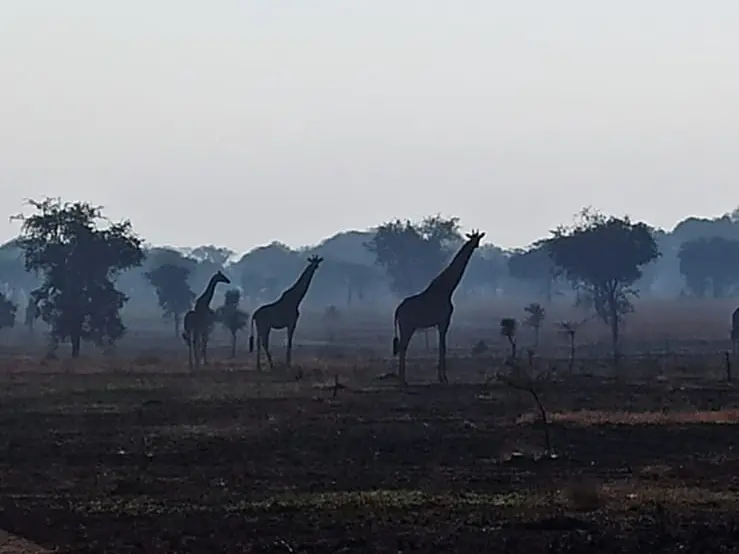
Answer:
(599, 417)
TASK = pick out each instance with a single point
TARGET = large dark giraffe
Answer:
(432, 307)
(197, 322)
(283, 313)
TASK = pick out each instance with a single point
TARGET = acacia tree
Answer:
(173, 291)
(231, 316)
(603, 256)
(79, 262)
(413, 253)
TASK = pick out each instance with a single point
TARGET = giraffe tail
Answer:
(186, 338)
(395, 335)
(251, 335)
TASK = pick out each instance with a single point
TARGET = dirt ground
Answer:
(154, 458)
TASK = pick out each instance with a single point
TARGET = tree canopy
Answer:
(79, 261)
(413, 253)
(173, 291)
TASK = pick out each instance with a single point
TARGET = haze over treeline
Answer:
(352, 277)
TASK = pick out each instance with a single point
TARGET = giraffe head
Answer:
(314, 262)
(221, 278)
(474, 238)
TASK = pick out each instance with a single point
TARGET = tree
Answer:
(231, 316)
(535, 266)
(412, 254)
(603, 256)
(709, 264)
(331, 318)
(216, 255)
(79, 262)
(569, 329)
(508, 330)
(173, 291)
(7, 312)
(535, 317)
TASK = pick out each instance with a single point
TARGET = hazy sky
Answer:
(242, 122)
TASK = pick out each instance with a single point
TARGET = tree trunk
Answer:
(614, 330)
(176, 325)
(233, 345)
(572, 353)
(76, 340)
(513, 347)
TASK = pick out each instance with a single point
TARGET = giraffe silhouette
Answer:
(432, 307)
(734, 331)
(198, 322)
(283, 313)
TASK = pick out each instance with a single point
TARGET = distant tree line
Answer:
(78, 271)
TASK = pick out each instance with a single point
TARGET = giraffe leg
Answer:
(259, 349)
(443, 328)
(265, 343)
(288, 354)
(403, 342)
(196, 348)
(204, 349)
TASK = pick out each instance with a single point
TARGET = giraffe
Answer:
(734, 331)
(432, 307)
(283, 313)
(198, 322)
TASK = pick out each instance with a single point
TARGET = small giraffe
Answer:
(198, 322)
(284, 312)
(432, 307)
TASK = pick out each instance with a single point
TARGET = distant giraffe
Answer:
(432, 307)
(734, 331)
(283, 313)
(198, 321)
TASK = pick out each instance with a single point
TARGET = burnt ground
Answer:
(154, 461)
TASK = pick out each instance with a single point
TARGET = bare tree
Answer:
(508, 330)
(521, 379)
(569, 328)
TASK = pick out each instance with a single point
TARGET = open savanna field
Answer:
(130, 451)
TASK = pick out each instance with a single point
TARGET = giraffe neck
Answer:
(204, 300)
(297, 292)
(448, 280)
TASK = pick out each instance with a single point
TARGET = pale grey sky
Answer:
(242, 122)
